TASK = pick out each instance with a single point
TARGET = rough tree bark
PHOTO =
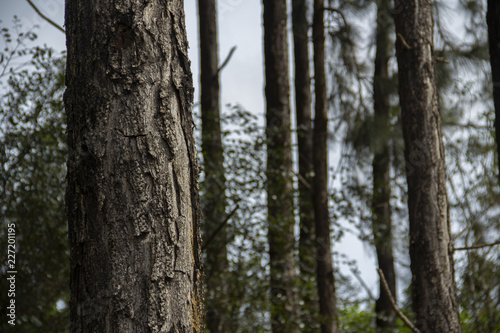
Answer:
(303, 98)
(279, 169)
(132, 197)
(431, 248)
(492, 17)
(381, 220)
(325, 275)
(214, 185)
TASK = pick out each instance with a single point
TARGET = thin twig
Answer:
(227, 59)
(219, 228)
(477, 246)
(466, 125)
(363, 283)
(6, 66)
(405, 44)
(441, 59)
(393, 303)
(304, 181)
(57, 26)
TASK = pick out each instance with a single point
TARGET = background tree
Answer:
(467, 105)
(433, 286)
(214, 197)
(279, 169)
(303, 101)
(32, 183)
(492, 15)
(325, 275)
(132, 196)
(382, 224)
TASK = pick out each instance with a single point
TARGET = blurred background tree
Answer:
(32, 182)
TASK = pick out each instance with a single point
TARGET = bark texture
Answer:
(303, 98)
(382, 224)
(493, 20)
(132, 197)
(214, 185)
(279, 170)
(325, 274)
(431, 248)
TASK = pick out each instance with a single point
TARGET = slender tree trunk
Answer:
(382, 225)
(431, 248)
(279, 169)
(214, 185)
(132, 197)
(325, 274)
(307, 250)
(492, 17)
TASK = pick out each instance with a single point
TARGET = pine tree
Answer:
(433, 286)
(325, 275)
(132, 196)
(214, 183)
(279, 170)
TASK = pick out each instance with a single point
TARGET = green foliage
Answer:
(244, 163)
(471, 161)
(32, 185)
(354, 320)
(479, 293)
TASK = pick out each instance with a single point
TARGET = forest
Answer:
(132, 202)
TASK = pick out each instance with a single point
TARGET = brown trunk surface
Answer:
(214, 185)
(431, 249)
(279, 170)
(325, 274)
(307, 249)
(382, 225)
(132, 197)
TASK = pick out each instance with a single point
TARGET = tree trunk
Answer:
(492, 17)
(325, 274)
(214, 185)
(307, 250)
(431, 248)
(382, 225)
(279, 169)
(132, 197)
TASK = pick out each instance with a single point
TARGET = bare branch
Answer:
(402, 40)
(363, 283)
(219, 228)
(441, 59)
(227, 59)
(57, 26)
(304, 181)
(477, 246)
(393, 303)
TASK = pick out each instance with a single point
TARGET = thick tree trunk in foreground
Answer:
(279, 170)
(493, 19)
(307, 250)
(325, 275)
(431, 248)
(382, 225)
(132, 197)
(214, 185)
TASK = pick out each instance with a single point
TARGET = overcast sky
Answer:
(240, 24)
